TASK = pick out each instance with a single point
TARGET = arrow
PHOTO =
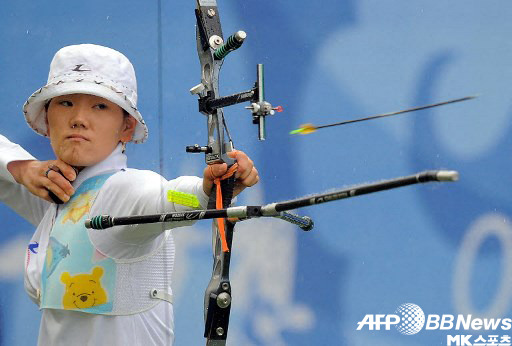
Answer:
(310, 128)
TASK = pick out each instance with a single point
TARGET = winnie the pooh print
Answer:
(83, 290)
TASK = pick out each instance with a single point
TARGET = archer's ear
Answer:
(128, 128)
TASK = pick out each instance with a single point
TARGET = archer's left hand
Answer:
(246, 174)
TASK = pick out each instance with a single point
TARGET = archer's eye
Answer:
(101, 106)
(66, 103)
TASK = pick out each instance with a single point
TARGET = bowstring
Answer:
(159, 86)
(167, 318)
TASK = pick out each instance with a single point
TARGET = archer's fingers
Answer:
(215, 170)
(245, 164)
(43, 193)
(65, 169)
(61, 182)
(50, 186)
(210, 173)
(252, 178)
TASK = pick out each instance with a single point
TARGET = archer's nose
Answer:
(77, 124)
(79, 117)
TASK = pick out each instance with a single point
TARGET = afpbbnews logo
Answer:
(449, 322)
(409, 319)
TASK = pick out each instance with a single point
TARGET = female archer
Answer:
(98, 287)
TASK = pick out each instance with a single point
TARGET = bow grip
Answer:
(227, 188)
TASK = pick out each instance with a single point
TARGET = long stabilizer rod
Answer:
(278, 209)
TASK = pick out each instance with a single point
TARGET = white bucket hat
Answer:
(87, 69)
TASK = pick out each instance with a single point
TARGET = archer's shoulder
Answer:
(135, 179)
(138, 173)
(145, 188)
(130, 188)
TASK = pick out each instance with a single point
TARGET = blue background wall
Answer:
(447, 248)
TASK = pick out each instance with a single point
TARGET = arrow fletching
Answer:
(304, 129)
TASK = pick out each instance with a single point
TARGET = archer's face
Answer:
(85, 129)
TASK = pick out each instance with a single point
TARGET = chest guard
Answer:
(76, 276)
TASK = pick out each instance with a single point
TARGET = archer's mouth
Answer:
(77, 138)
